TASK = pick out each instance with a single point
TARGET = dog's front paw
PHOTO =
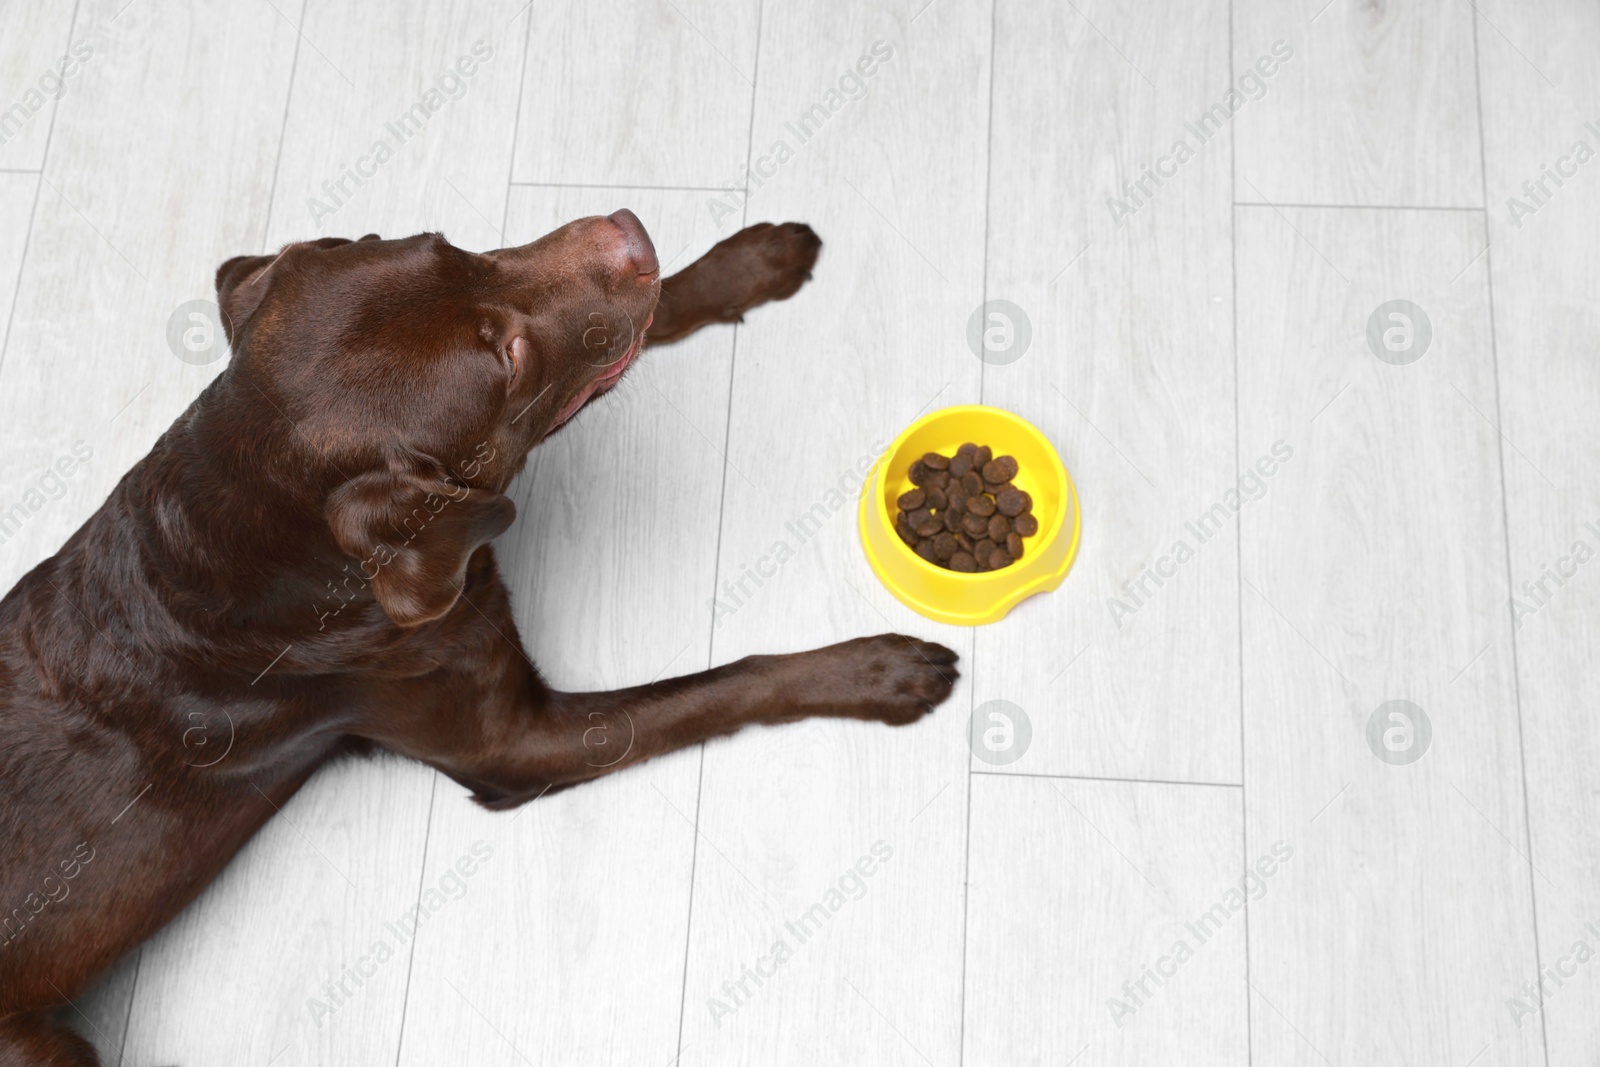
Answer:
(761, 263)
(891, 678)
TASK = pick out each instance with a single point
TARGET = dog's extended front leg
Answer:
(758, 264)
(525, 741)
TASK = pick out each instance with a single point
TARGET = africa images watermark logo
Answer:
(1252, 486)
(1140, 190)
(800, 531)
(448, 887)
(404, 531)
(999, 332)
(1552, 977)
(50, 485)
(53, 889)
(848, 887)
(1137, 992)
(1539, 591)
(1538, 190)
(51, 85)
(1399, 332)
(850, 87)
(197, 332)
(450, 86)
(999, 732)
(1399, 732)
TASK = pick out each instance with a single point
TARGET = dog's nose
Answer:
(640, 251)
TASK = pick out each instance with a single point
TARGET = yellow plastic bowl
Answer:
(950, 596)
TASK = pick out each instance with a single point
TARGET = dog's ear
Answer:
(413, 535)
(243, 281)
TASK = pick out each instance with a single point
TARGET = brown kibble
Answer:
(964, 512)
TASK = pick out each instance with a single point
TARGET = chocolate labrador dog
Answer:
(302, 566)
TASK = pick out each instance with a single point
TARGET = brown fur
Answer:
(302, 564)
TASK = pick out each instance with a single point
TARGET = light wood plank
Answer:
(114, 251)
(165, 230)
(1376, 105)
(401, 121)
(1130, 373)
(17, 192)
(34, 55)
(1545, 280)
(303, 906)
(1106, 923)
(344, 863)
(654, 93)
(101, 1015)
(569, 946)
(894, 183)
(1374, 571)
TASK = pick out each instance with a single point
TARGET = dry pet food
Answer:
(964, 514)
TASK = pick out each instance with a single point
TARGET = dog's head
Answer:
(410, 378)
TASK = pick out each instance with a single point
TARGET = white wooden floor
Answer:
(1200, 858)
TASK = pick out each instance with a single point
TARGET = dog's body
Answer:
(300, 568)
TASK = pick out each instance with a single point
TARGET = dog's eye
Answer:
(517, 354)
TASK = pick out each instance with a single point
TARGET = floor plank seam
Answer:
(630, 188)
(716, 559)
(1103, 778)
(33, 212)
(516, 123)
(1359, 207)
(283, 128)
(1505, 528)
(972, 693)
(1238, 546)
(411, 957)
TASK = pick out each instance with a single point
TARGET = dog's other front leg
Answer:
(758, 264)
(512, 752)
